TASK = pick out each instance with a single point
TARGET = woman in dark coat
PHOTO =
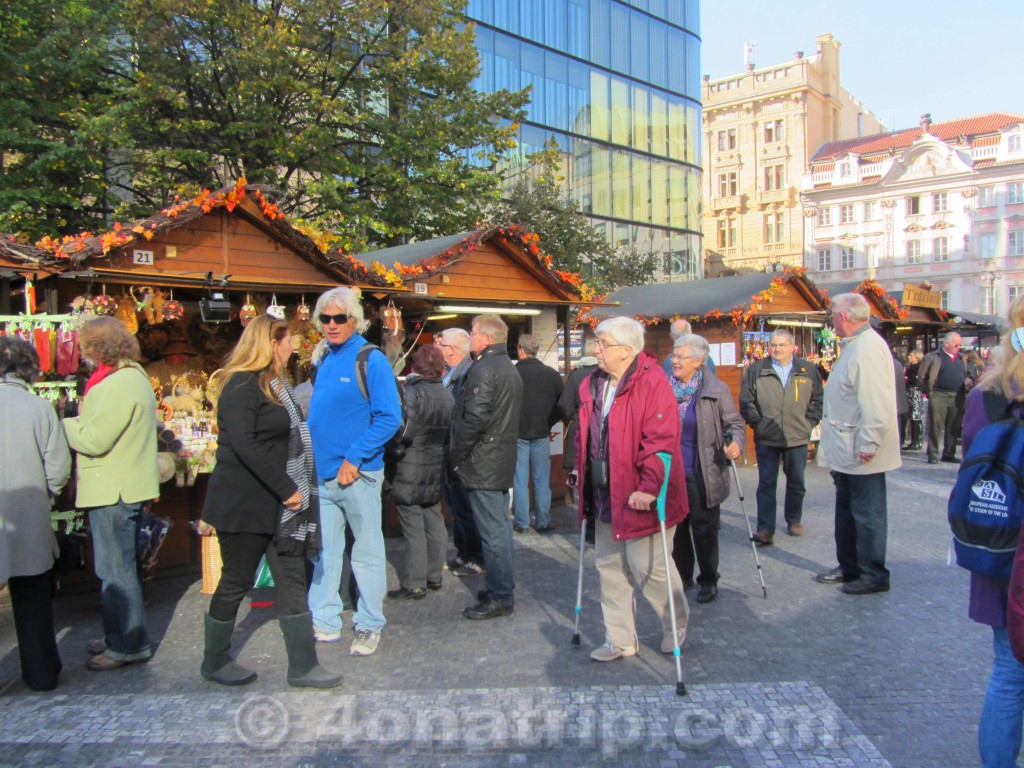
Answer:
(416, 481)
(917, 404)
(262, 500)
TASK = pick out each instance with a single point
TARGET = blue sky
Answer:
(899, 58)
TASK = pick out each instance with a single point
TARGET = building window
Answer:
(726, 233)
(944, 293)
(987, 242)
(846, 258)
(825, 216)
(728, 185)
(774, 227)
(846, 214)
(986, 197)
(940, 247)
(871, 211)
(1015, 192)
(871, 255)
(913, 251)
(825, 259)
(913, 205)
(1015, 242)
(940, 202)
(1013, 144)
(727, 139)
(845, 170)
(774, 177)
(987, 299)
(774, 130)
(967, 245)
(1016, 291)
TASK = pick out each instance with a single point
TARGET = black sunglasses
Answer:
(338, 319)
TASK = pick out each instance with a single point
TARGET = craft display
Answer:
(104, 304)
(392, 319)
(189, 427)
(302, 312)
(173, 310)
(274, 309)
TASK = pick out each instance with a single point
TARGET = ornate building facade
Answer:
(941, 204)
(761, 127)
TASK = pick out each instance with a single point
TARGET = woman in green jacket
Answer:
(115, 437)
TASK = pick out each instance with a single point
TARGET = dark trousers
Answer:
(862, 526)
(698, 533)
(942, 421)
(241, 553)
(490, 511)
(794, 462)
(464, 532)
(426, 541)
(32, 604)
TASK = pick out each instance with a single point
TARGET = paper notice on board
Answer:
(715, 354)
(728, 354)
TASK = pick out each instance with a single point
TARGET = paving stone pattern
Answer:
(808, 677)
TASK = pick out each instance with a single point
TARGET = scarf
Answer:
(685, 392)
(298, 532)
(101, 372)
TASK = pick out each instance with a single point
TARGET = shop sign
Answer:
(916, 296)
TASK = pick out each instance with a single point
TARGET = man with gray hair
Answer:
(942, 376)
(542, 386)
(681, 327)
(469, 556)
(781, 399)
(859, 443)
(485, 428)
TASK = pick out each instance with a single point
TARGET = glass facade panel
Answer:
(625, 112)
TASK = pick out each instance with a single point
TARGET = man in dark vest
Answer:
(942, 377)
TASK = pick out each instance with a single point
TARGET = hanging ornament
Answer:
(104, 304)
(127, 310)
(144, 302)
(275, 310)
(302, 312)
(173, 310)
(159, 300)
(248, 311)
(392, 319)
(82, 305)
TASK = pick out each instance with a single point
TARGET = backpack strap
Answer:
(362, 356)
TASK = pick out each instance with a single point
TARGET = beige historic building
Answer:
(761, 128)
(941, 204)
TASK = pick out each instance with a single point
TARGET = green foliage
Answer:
(362, 113)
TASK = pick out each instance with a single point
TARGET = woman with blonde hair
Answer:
(115, 437)
(1000, 389)
(262, 499)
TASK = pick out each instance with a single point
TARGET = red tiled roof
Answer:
(986, 141)
(969, 126)
(985, 163)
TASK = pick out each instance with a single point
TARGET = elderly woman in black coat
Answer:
(415, 472)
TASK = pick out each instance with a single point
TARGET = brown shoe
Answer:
(764, 538)
(796, 529)
(104, 663)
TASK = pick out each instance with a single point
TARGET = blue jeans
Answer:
(862, 525)
(999, 732)
(794, 461)
(490, 511)
(113, 531)
(533, 458)
(464, 533)
(357, 505)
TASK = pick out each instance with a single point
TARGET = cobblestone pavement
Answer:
(808, 677)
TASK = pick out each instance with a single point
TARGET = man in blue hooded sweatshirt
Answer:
(349, 430)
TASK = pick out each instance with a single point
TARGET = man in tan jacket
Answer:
(859, 443)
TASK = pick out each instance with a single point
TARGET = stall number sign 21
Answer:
(142, 257)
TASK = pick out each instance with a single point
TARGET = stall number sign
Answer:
(142, 257)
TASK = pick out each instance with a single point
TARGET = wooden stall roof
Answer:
(701, 298)
(883, 304)
(495, 264)
(976, 323)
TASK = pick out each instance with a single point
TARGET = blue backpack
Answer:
(986, 506)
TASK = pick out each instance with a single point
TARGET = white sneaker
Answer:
(609, 652)
(366, 642)
(322, 636)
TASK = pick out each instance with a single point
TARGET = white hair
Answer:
(458, 338)
(698, 345)
(341, 297)
(853, 305)
(625, 330)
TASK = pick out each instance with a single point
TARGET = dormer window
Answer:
(845, 170)
(1013, 143)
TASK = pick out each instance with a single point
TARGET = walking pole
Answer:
(676, 653)
(579, 582)
(750, 532)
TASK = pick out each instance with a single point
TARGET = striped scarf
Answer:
(298, 532)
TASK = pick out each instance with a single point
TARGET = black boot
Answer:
(218, 665)
(916, 428)
(304, 671)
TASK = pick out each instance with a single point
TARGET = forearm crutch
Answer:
(579, 582)
(750, 532)
(669, 566)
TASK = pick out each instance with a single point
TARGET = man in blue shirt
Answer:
(677, 330)
(349, 430)
(781, 399)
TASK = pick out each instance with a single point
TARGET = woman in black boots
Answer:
(262, 500)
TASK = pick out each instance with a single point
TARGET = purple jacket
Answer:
(643, 421)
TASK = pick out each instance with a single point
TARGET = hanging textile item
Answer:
(67, 350)
(144, 302)
(41, 339)
(127, 313)
(392, 319)
(159, 300)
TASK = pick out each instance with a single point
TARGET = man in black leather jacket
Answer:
(485, 429)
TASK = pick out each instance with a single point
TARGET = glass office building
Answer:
(617, 85)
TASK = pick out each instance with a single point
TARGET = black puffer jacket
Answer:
(428, 414)
(485, 426)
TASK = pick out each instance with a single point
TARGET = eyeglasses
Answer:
(446, 346)
(785, 345)
(682, 358)
(338, 319)
(602, 344)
